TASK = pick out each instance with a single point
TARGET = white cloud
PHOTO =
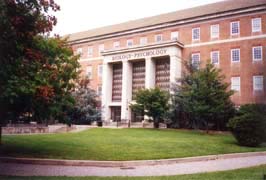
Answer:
(81, 15)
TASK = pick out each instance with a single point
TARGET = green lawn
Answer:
(255, 173)
(121, 144)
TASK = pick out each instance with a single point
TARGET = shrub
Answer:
(249, 125)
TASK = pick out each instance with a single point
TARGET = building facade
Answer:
(150, 52)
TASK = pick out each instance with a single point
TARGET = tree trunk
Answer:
(207, 127)
(0, 134)
(155, 123)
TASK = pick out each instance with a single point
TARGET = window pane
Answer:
(257, 53)
(196, 34)
(90, 51)
(195, 60)
(215, 31)
(258, 82)
(174, 35)
(116, 44)
(129, 42)
(158, 38)
(235, 55)
(234, 28)
(235, 83)
(143, 40)
(89, 72)
(256, 25)
(215, 57)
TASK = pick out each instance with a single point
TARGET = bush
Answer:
(249, 126)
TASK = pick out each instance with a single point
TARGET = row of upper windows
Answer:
(258, 84)
(234, 29)
(116, 44)
(214, 34)
(257, 55)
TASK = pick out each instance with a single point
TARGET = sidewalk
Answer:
(161, 168)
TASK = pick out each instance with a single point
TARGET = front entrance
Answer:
(116, 113)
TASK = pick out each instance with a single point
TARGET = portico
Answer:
(129, 69)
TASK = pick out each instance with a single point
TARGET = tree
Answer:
(37, 72)
(87, 104)
(202, 97)
(153, 102)
(249, 125)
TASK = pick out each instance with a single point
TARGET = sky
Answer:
(82, 15)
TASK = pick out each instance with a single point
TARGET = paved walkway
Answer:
(17, 169)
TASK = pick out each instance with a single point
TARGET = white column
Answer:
(126, 91)
(149, 73)
(107, 79)
(175, 69)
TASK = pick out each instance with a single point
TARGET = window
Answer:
(158, 38)
(235, 28)
(195, 60)
(215, 57)
(143, 40)
(100, 70)
(257, 83)
(215, 31)
(116, 44)
(99, 90)
(174, 35)
(90, 51)
(196, 34)
(129, 42)
(235, 55)
(256, 25)
(89, 72)
(79, 51)
(257, 53)
(235, 83)
(101, 48)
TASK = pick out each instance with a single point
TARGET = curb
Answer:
(127, 163)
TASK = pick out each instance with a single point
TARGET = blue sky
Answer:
(81, 15)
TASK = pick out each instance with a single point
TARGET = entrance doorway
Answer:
(116, 114)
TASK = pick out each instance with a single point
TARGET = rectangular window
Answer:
(235, 55)
(90, 51)
(89, 72)
(257, 53)
(174, 35)
(79, 51)
(195, 60)
(235, 28)
(158, 38)
(143, 40)
(235, 83)
(257, 83)
(101, 48)
(215, 31)
(256, 25)
(215, 57)
(99, 90)
(100, 70)
(196, 34)
(116, 44)
(129, 42)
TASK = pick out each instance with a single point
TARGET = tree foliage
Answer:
(37, 72)
(153, 102)
(202, 98)
(87, 104)
(249, 125)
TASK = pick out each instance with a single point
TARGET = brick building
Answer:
(149, 52)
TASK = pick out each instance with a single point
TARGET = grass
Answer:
(255, 173)
(121, 144)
